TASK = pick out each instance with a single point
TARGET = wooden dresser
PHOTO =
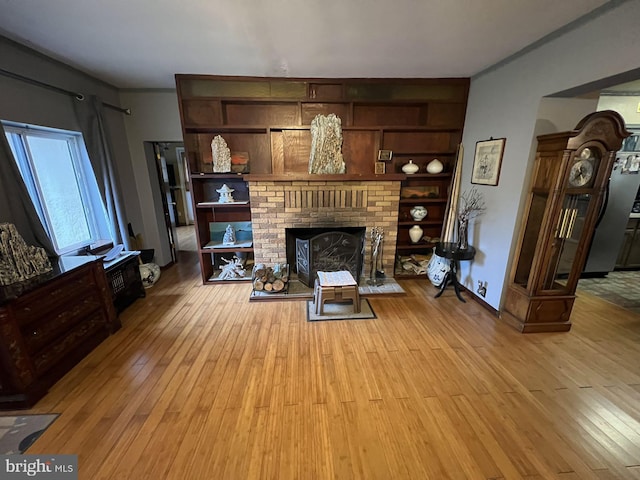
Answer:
(48, 324)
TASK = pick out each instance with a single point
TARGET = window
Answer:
(56, 169)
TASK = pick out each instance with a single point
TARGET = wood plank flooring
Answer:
(201, 384)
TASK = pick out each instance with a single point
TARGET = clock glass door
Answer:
(568, 238)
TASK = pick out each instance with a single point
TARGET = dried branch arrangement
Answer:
(471, 205)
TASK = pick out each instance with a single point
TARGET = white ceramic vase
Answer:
(415, 233)
(410, 168)
(435, 166)
(418, 212)
(437, 269)
(149, 274)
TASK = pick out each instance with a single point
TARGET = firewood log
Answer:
(259, 270)
(278, 285)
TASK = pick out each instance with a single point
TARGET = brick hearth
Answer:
(277, 204)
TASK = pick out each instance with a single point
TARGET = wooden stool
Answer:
(336, 287)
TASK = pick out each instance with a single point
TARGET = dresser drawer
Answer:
(45, 331)
(56, 296)
(70, 343)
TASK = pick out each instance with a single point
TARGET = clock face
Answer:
(583, 170)
(581, 173)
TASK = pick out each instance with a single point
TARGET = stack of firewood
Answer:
(270, 279)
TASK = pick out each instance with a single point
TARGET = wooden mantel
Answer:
(310, 177)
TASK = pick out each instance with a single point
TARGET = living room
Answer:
(505, 101)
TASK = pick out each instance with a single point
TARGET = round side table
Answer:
(454, 254)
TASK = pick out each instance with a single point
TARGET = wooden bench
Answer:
(335, 287)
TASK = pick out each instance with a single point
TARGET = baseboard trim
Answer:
(484, 304)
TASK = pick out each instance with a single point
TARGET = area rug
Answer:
(17, 433)
(340, 311)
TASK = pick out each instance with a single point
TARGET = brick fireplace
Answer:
(279, 202)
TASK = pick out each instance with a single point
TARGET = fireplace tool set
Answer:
(376, 276)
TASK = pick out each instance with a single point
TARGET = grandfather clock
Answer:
(569, 179)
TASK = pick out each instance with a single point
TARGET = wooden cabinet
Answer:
(49, 324)
(269, 120)
(212, 217)
(432, 192)
(567, 186)
(123, 275)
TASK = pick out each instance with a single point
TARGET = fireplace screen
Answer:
(326, 250)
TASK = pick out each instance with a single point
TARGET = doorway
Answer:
(175, 192)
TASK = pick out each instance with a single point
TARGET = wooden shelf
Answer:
(207, 176)
(415, 246)
(409, 223)
(308, 177)
(226, 250)
(404, 201)
(225, 205)
(216, 129)
(270, 119)
(209, 281)
(432, 176)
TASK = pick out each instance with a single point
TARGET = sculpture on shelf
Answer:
(221, 155)
(376, 275)
(414, 264)
(19, 261)
(326, 145)
(232, 270)
(229, 237)
(225, 194)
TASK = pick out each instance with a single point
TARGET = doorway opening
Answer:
(175, 193)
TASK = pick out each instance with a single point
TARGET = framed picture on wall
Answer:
(487, 161)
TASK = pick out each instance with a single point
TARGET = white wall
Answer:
(504, 103)
(627, 106)
(562, 114)
(155, 117)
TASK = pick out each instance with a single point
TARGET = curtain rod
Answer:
(77, 96)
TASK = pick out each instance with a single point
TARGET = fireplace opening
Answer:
(310, 250)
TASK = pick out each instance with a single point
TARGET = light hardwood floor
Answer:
(201, 384)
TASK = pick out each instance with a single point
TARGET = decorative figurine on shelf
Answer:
(376, 276)
(225, 194)
(471, 206)
(221, 155)
(229, 237)
(326, 145)
(232, 270)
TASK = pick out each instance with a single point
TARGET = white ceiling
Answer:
(143, 43)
